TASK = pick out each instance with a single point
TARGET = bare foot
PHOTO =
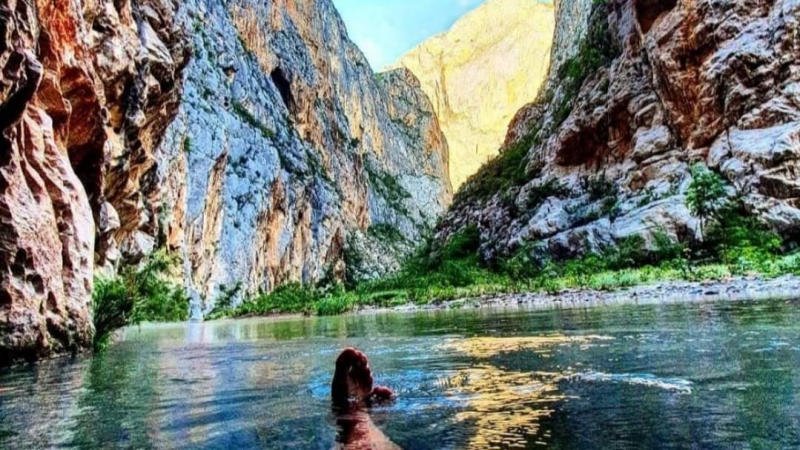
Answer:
(353, 383)
(352, 392)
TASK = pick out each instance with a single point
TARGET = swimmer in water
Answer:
(353, 392)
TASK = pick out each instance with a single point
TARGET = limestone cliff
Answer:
(87, 89)
(273, 154)
(638, 92)
(289, 155)
(481, 72)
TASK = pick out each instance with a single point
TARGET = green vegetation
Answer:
(506, 170)
(735, 245)
(706, 196)
(598, 49)
(138, 294)
(314, 164)
(248, 118)
(225, 300)
(285, 299)
(386, 233)
(599, 187)
(387, 187)
(112, 308)
(548, 189)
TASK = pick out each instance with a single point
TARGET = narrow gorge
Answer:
(478, 74)
(249, 139)
(250, 143)
(540, 223)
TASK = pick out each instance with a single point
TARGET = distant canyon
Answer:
(252, 142)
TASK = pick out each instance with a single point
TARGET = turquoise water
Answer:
(721, 375)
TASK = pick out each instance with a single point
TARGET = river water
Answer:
(722, 375)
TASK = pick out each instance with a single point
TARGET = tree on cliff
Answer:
(706, 195)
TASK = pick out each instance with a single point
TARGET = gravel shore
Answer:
(735, 289)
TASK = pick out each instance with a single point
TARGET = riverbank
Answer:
(735, 289)
(579, 284)
(454, 270)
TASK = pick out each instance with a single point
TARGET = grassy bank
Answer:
(733, 244)
(737, 247)
(452, 271)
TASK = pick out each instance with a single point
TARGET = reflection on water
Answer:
(714, 375)
(506, 406)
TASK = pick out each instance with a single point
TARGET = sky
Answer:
(386, 29)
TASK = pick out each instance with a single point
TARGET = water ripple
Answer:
(642, 379)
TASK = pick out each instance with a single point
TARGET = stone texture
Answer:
(713, 81)
(288, 159)
(480, 72)
(289, 155)
(86, 91)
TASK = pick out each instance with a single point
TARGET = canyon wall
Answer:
(481, 72)
(638, 92)
(290, 161)
(250, 139)
(87, 89)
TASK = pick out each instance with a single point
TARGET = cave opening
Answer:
(87, 162)
(648, 11)
(284, 87)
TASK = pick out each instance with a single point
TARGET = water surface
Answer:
(723, 375)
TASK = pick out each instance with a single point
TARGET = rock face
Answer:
(290, 161)
(481, 72)
(86, 92)
(638, 92)
(281, 157)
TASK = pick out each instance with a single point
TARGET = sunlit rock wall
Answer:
(704, 81)
(86, 91)
(480, 72)
(289, 156)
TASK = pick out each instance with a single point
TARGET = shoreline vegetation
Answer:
(734, 248)
(465, 280)
(732, 245)
(744, 288)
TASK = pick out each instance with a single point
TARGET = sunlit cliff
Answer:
(481, 72)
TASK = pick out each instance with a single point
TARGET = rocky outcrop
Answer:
(425, 179)
(638, 92)
(289, 157)
(481, 72)
(86, 92)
